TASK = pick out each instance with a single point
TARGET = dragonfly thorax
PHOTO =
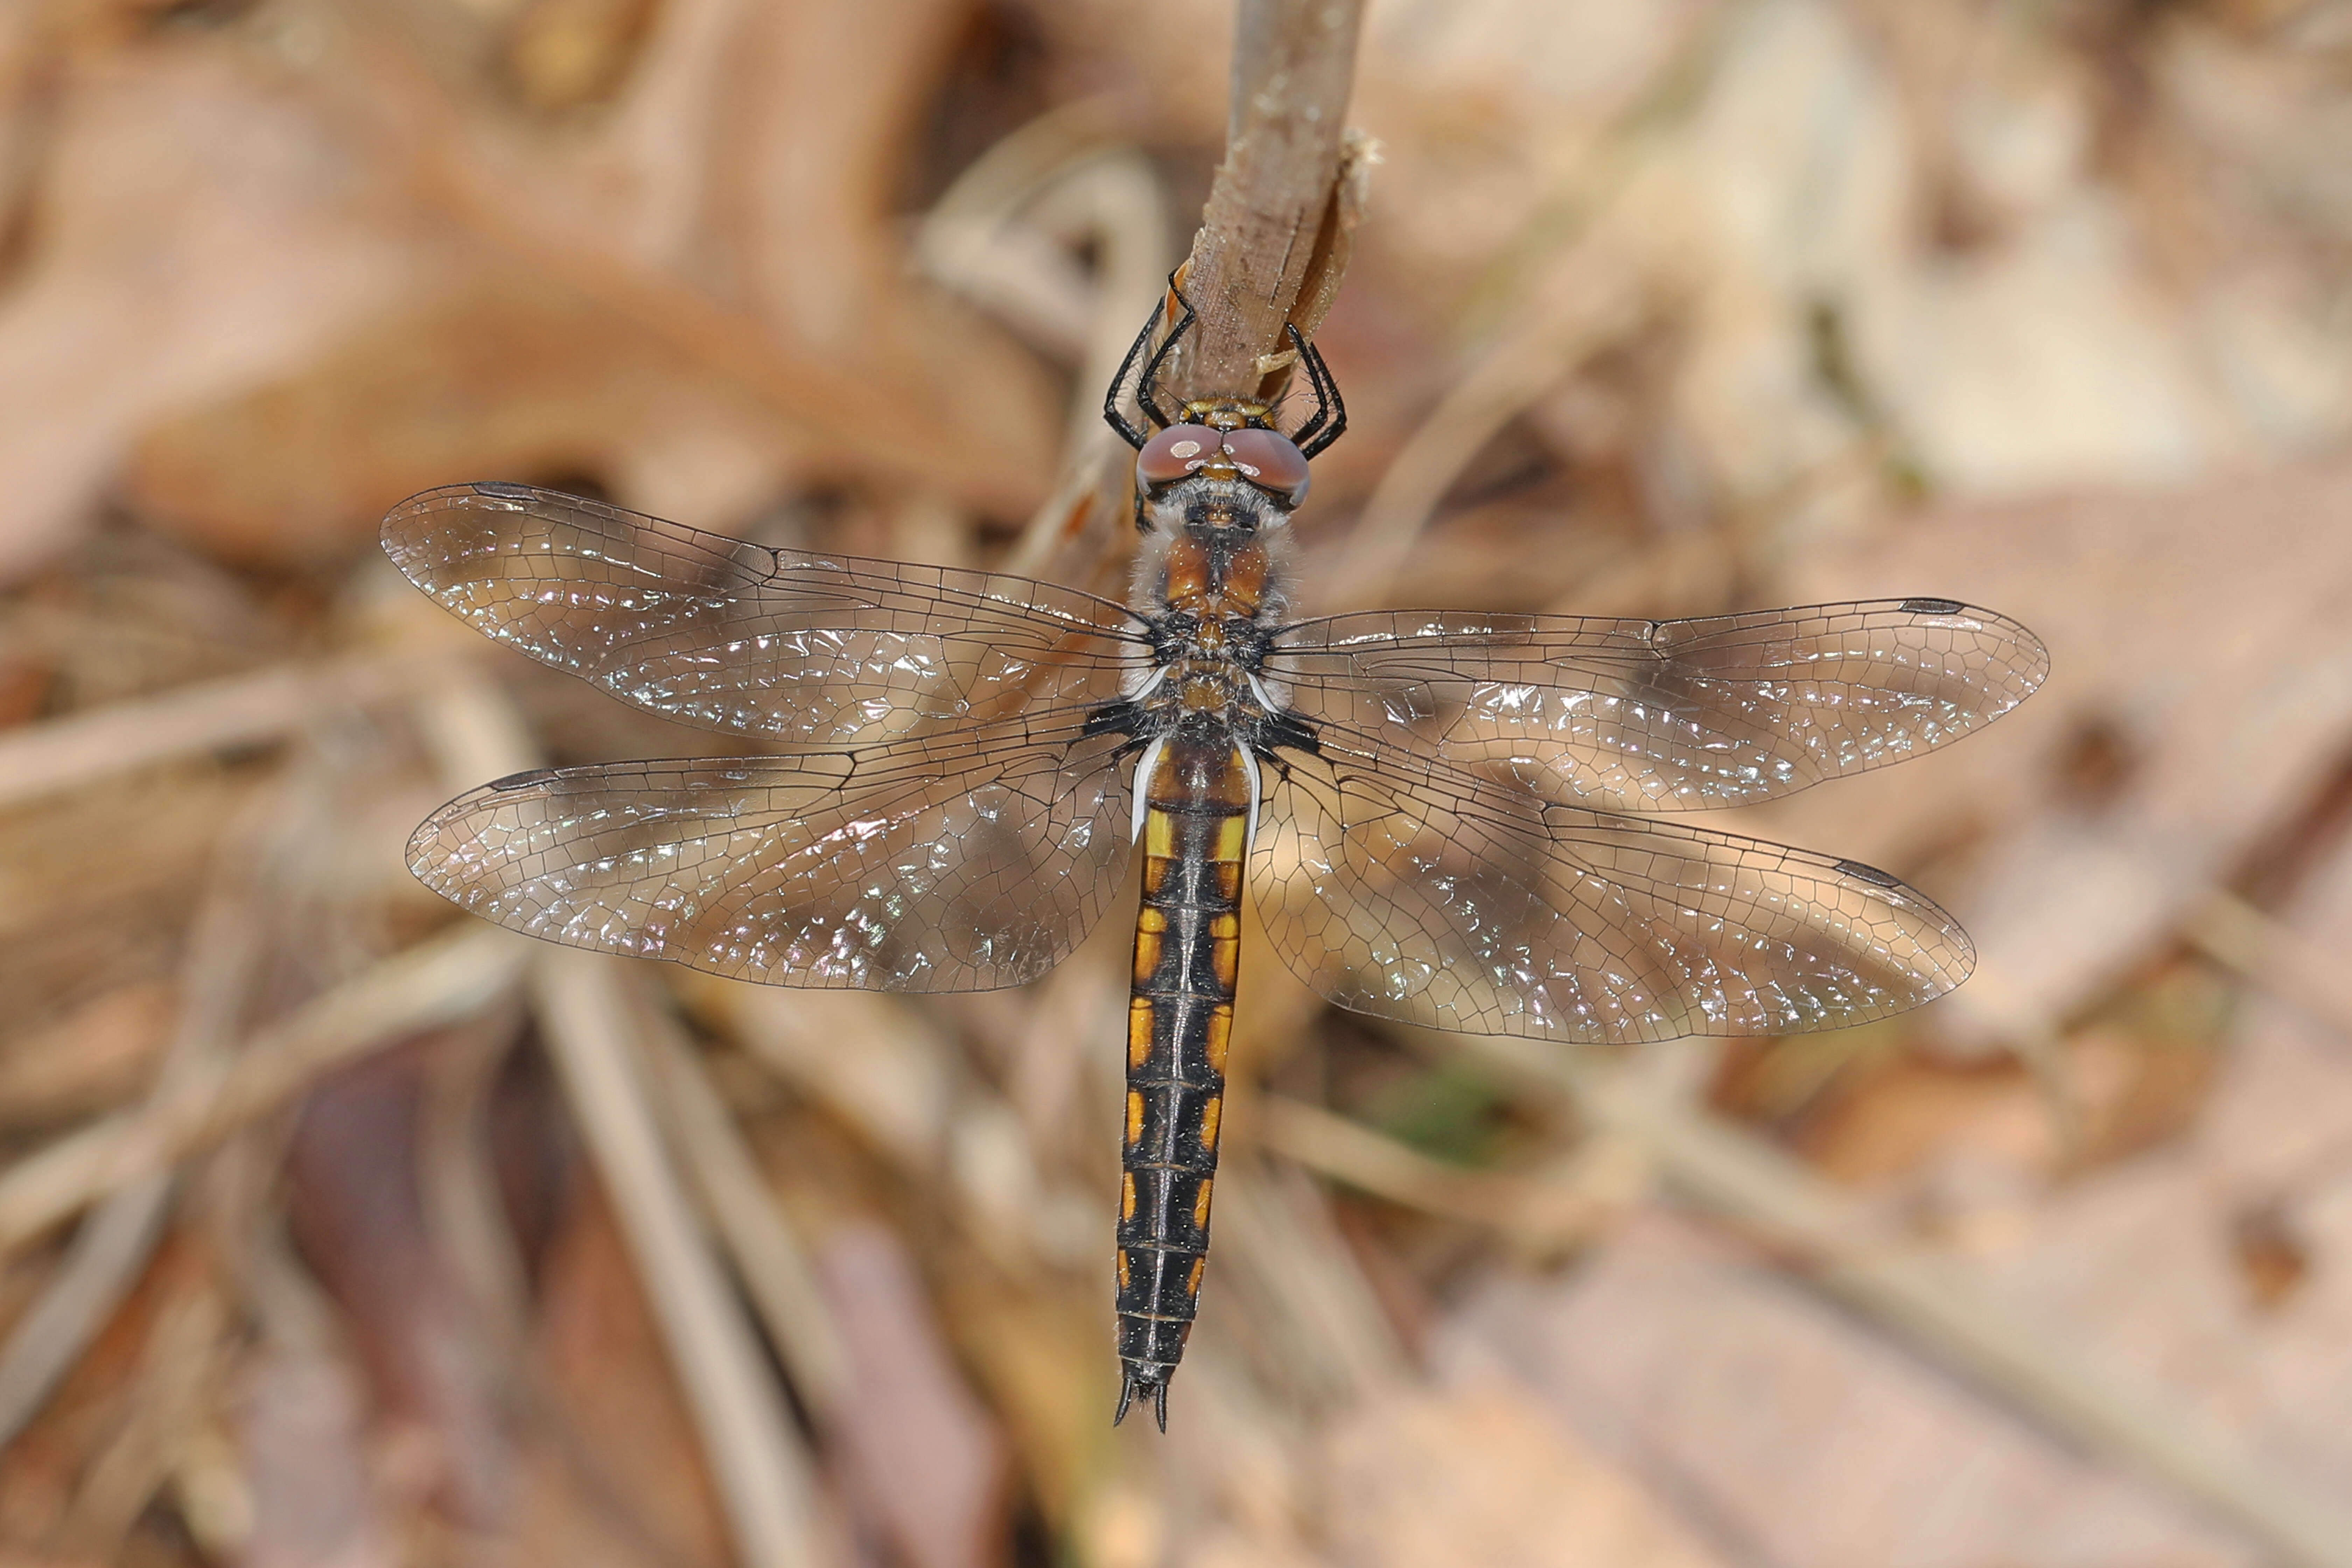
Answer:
(1202, 669)
(1221, 560)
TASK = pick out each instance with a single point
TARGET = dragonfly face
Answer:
(1455, 820)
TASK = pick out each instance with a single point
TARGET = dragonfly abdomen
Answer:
(1195, 833)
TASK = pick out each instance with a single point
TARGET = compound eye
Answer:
(1174, 453)
(1269, 461)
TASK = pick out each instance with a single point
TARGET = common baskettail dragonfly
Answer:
(1453, 820)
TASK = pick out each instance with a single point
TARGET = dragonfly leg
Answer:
(1111, 414)
(1145, 398)
(1313, 437)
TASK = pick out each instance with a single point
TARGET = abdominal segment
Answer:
(1187, 954)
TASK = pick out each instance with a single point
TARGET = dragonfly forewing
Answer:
(792, 648)
(1666, 715)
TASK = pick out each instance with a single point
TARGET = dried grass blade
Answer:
(61, 754)
(434, 983)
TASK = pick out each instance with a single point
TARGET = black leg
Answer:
(1118, 421)
(1315, 439)
(1306, 433)
(1144, 397)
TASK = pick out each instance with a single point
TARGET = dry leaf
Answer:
(2146, 1255)
(1478, 1476)
(918, 1453)
(1799, 1433)
(355, 1206)
(516, 377)
(630, 1452)
(198, 232)
(303, 1427)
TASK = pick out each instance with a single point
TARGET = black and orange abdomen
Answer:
(1179, 1019)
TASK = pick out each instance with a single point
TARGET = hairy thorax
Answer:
(1211, 580)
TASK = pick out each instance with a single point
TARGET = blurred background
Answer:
(338, 1231)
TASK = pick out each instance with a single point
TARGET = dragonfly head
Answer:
(1255, 455)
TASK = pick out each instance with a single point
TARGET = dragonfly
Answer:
(1452, 819)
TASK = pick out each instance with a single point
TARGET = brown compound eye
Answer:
(1269, 461)
(1174, 453)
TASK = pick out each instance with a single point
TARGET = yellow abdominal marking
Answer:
(1159, 834)
(1139, 1031)
(1225, 949)
(1221, 1035)
(1151, 927)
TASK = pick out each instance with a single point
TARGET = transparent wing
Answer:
(1402, 886)
(1666, 715)
(963, 862)
(797, 648)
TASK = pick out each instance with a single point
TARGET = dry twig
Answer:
(1273, 236)
(1547, 1214)
(112, 1246)
(2275, 956)
(764, 1476)
(211, 716)
(774, 1267)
